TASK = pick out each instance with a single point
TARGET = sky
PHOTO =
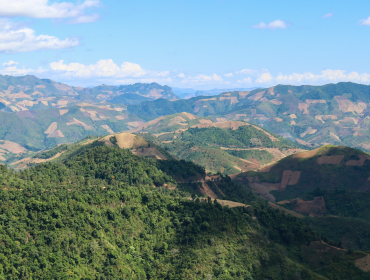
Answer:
(187, 44)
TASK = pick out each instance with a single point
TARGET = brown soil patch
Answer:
(148, 124)
(286, 178)
(347, 106)
(51, 128)
(205, 121)
(149, 152)
(221, 119)
(303, 107)
(63, 111)
(62, 102)
(292, 123)
(243, 94)
(233, 99)
(276, 102)
(127, 140)
(271, 91)
(189, 116)
(176, 120)
(359, 162)
(325, 117)
(278, 119)
(12, 147)
(204, 100)
(2, 158)
(330, 159)
(363, 263)
(309, 130)
(107, 128)
(308, 154)
(56, 134)
(120, 117)
(207, 191)
(257, 96)
(135, 124)
(224, 203)
(294, 178)
(292, 116)
(77, 122)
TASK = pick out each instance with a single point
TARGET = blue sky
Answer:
(190, 44)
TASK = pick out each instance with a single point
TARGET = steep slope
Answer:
(328, 167)
(329, 185)
(97, 215)
(313, 115)
(226, 146)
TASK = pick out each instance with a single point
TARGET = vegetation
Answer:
(97, 216)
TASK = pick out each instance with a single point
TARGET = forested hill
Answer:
(97, 215)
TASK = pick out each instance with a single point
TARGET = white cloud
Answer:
(229, 75)
(326, 76)
(106, 69)
(10, 63)
(245, 81)
(85, 19)
(203, 80)
(181, 75)
(44, 9)
(272, 25)
(10, 68)
(328, 15)
(365, 21)
(264, 78)
(15, 38)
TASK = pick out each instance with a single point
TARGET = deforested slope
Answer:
(228, 147)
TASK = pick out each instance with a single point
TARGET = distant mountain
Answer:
(227, 147)
(186, 93)
(312, 115)
(23, 133)
(31, 93)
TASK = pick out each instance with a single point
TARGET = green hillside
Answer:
(96, 215)
(329, 185)
(226, 147)
(328, 167)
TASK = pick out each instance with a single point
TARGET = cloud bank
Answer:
(108, 72)
(15, 38)
(44, 9)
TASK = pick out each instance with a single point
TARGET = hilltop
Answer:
(220, 146)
